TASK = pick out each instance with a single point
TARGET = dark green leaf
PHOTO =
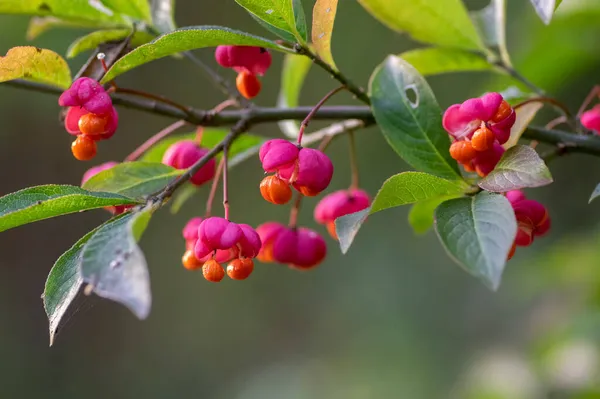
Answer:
(36, 64)
(279, 16)
(71, 10)
(114, 266)
(420, 216)
(409, 117)
(43, 202)
(441, 22)
(544, 9)
(294, 71)
(478, 232)
(64, 282)
(411, 187)
(92, 40)
(186, 39)
(519, 167)
(347, 227)
(595, 194)
(436, 60)
(133, 179)
(163, 12)
(137, 9)
(322, 28)
(241, 149)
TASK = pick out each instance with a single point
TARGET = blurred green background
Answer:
(394, 318)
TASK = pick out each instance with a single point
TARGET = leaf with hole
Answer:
(519, 167)
(544, 9)
(421, 214)
(114, 266)
(186, 39)
(94, 39)
(83, 11)
(284, 18)
(36, 64)
(44, 202)
(401, 189)
(478, 232)
(64, 282)
(322, 29)
(133, 179)
(437, 60)
(410, 119)
(294, 71)
(440, 22)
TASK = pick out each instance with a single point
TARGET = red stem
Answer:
(590, 97)
(213, 188)
(153, 140)
(225, 182)
(306, 120)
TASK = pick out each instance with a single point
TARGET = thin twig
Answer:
(548, 100)
(293, 222)
(153, 140)
(354, 182)
(315, 109)
(213, 188)
(154, 97)
(357, 91)
(225, 181)
(588, 144)
(588, 99)
(517, 75)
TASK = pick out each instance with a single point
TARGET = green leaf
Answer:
(137, 9)
(490, 22)
(245, 145)
(36, 64)
(71, 10)
(322, 28)
(186, 39)
(163, 15)
(39, 25)
(441, 22)
(436, 60)
(519, 167)
(524, 115)
(92, 40)
(401, 189)
(346, 228)
(478, 232)
(44, 202)
(294, 71)
(544, 9)
(595, 194)
(114, 266)
(410, 118)
(420, 216)
(411, 187)
(282, 17)
(133, 179)
(64, 282)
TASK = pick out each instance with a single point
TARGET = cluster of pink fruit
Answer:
(479, 127)
(91, 116)
(249, 62)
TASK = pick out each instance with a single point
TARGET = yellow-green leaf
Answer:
(92, 40)
(322, 28)
(436, 60)
(441, 22)
(33, 63)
